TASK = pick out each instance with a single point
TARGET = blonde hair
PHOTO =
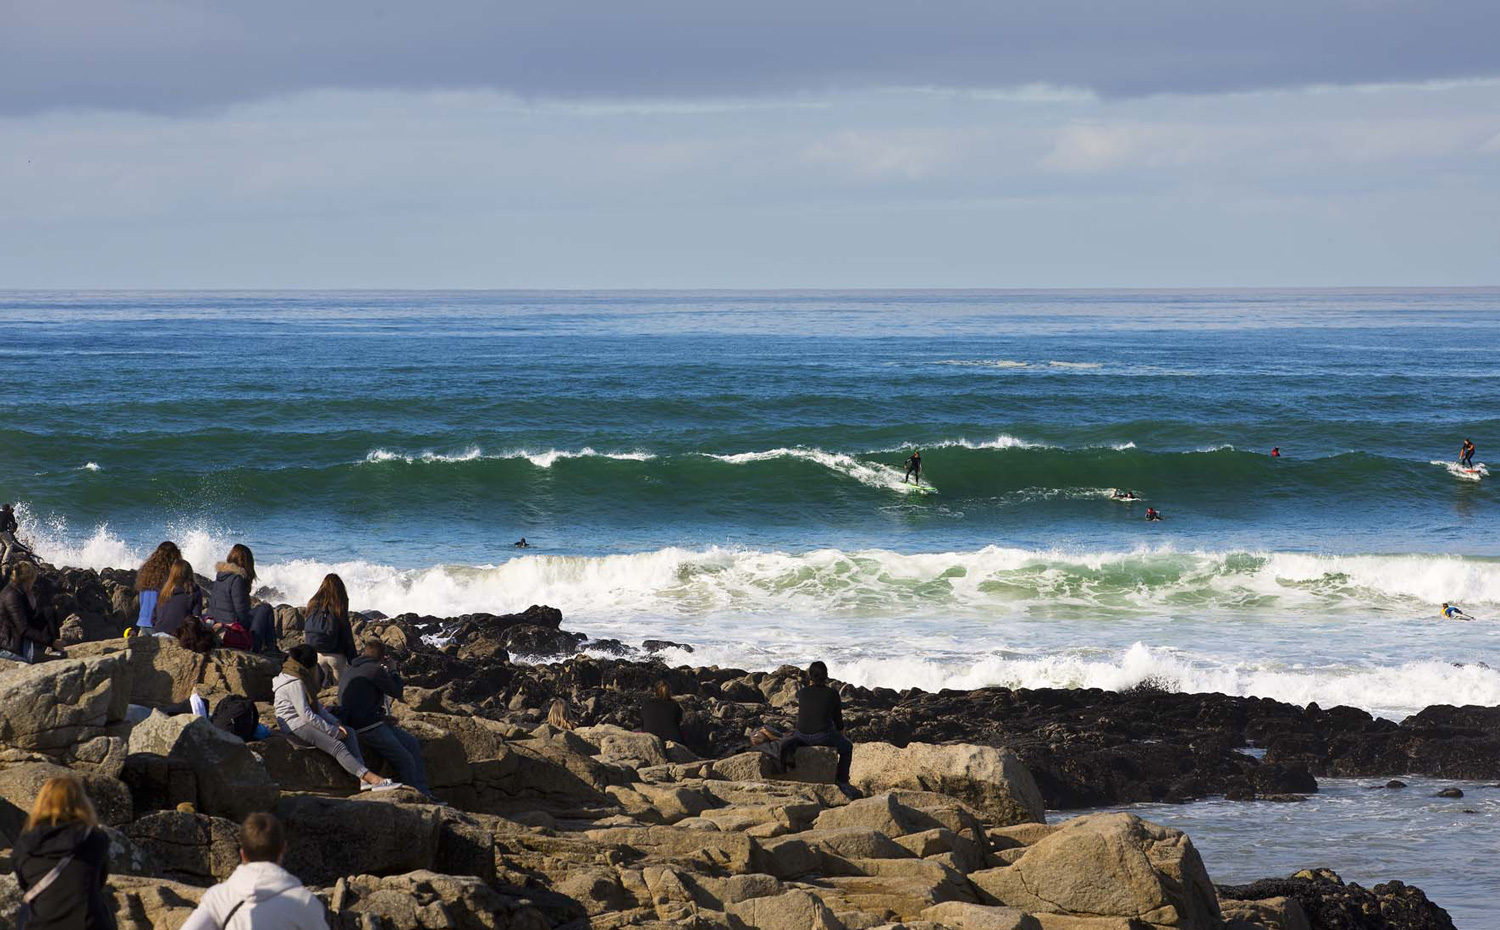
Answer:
(558, 715)
(179, 576)
(62, 800)
(23, 574)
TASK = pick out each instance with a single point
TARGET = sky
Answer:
(684, 144)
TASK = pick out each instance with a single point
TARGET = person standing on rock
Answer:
(260, 894)
(300, 718)
(327, 628)
(24, 635)
(148, 581)
(229, 605)
(820, 720)
(368, 684)
(62, 860)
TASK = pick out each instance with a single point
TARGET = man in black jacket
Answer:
(366, 685)
(820, 720)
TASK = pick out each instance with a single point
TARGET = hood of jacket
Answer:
(52, 842)
(229, 568)
(261, 879)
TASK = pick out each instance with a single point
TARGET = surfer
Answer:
(1451, 612)
(1152, 514)
(914, 467)
(522, 543)
(1466, 454)
(1120, 495)
(1276, 452)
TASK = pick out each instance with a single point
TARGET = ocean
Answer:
(723, 469)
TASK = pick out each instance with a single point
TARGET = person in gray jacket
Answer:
(260, 894)
(301, 719)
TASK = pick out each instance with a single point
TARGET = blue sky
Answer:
(676, 144)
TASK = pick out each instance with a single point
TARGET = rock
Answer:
(55, 705)
(328, 838)
(302, 769)
(163, 672)
(816, 764)
(790, 910)
(1328, 902)
(1109, 865)
(20, 784)
(1269, 914)
(625, 747)
(1450, 793)
(992, 781)
(746, 766)
(193, 848)
(422, 899)
(151, 903)
(229, 781)
(959, 915)
(900, 813)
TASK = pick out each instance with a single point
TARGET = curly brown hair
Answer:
(153, 571)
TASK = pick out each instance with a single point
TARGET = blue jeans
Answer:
(832, 739)
(402, 750)
(263, 627)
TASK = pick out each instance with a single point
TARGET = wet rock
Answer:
(1449, 793)
(1330, 903)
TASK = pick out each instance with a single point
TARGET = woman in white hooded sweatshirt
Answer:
(299, 717)
(260, 895)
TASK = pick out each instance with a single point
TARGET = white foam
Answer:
(88, 466)
(545, 459)
(1480, 470)
(1076, 366)
(873, 474)
(984, 363)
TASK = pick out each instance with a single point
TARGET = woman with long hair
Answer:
(24, 633)
(62, 860)
(300, 717)
(237, 623)
(179, 599)
(327, 628)
(148, 581)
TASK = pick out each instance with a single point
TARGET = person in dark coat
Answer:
(328, 630)
(660, 715)
(24, 634)
(179, 599)
(820, 721)
(64, 830)
(229, 604)
(368, 683)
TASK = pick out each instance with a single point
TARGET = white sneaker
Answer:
(386, 785)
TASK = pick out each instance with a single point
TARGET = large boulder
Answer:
(790, 910)
(329, 838)
(992, 781)
(20, 784)
(52, 706)
(162, 672)
(421, 899)
(229, 781)
(189, 847)
(1109, 865)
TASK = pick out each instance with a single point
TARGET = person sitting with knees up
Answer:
(239, 625)
(820, 720)
(260, 894)
(368, 684)
(301, 718)
(660, 715)
(25, 635)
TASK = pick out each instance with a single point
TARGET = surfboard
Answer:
(1477, 472)
(1127, 500)
(920, 488)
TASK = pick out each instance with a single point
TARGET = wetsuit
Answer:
(1466, 455)
(1453, 613)
(914, 467)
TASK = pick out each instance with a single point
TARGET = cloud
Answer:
(168, 56)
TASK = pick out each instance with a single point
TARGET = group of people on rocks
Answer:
(171, 603)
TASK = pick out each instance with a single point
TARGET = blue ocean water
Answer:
(725, 469)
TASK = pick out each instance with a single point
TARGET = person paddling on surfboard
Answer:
(1152, 514)
(1450, 612)
(1276, 453)
(914, 467)
(1466, 454)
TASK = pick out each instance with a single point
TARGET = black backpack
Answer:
(321, 631)
(238, 715)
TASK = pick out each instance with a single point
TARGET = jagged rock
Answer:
(151, 903)
(959, 915)
(20, 784)
(1109, 865)
(420, 899)
(900, 813)
(162, 672)
(1328, 902)
(1270, 914)
(229, 781)
(625, 747)
(302, 769)
(55, 705)
(328, 838)
(992, 781)
(193, 848)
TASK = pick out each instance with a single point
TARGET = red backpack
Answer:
(234, 636)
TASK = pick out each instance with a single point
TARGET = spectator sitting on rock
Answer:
(148, 581)
(368, 684)
(660, 715)
(24, 633)
(179, 599)
(559, 716)
(62, 860)
(238, 624)
(301, 719)
(260, 895)
(327, 628)
(820, 720)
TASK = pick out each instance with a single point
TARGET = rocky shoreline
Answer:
(600, 827)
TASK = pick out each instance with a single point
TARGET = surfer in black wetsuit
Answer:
(522, 543)
(1466, 454)
(914, 467)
